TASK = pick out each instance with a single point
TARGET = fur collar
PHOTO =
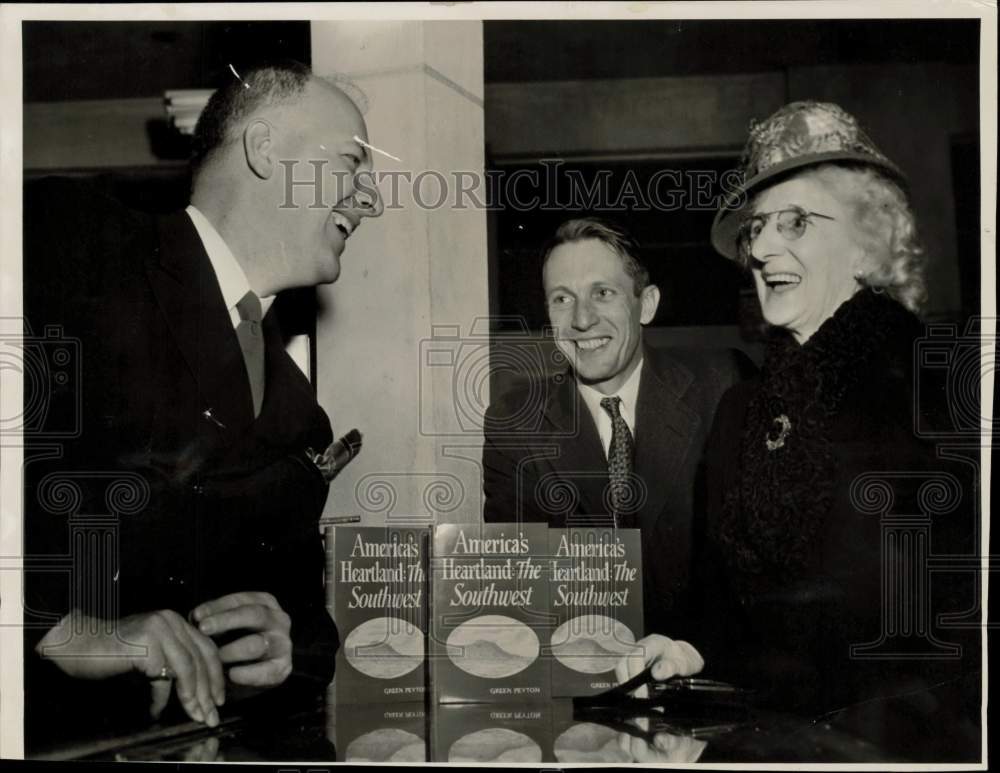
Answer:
(787, 471)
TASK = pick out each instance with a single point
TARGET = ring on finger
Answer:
(166, 675)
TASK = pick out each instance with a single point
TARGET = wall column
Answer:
(418, 270)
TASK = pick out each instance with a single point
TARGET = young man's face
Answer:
(318, 134)
(596, 314)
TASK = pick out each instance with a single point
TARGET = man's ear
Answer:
(258, 146)
(650, 300)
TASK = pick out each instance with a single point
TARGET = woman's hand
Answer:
(669, 657)
(162, 645)
(265, 652)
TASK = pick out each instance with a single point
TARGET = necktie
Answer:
(251, 340)
(620, 465)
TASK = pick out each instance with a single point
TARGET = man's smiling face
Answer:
(597, 316)
(320, 135)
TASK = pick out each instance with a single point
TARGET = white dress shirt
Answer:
(628, 394)
(230, 275)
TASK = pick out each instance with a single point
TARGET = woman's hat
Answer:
(799, 134)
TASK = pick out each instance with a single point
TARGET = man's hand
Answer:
(266, 650)
(153, 643)
(668, 657)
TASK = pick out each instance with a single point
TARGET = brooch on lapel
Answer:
(776, 437)
(337, 455)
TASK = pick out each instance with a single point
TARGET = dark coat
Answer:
(209, 499)
(800, 537)
(552, 440)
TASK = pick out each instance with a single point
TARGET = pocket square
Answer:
(337, 454)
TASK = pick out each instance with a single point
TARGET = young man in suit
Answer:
(211, 570)
(622, 433)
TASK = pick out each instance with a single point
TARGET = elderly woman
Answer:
(802, 559)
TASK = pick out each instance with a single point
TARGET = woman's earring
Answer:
(860, 279)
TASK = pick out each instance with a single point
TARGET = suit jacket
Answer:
(148, 475)
(541, 438)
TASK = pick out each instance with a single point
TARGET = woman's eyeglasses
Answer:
(791, 224)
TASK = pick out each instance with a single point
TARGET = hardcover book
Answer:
(596, 597)
(489, 613)
(380, 606)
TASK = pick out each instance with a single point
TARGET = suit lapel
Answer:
(665, 427)
(289, 412)
(581, 459)
(189, 296)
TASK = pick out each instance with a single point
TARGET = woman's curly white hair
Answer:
(894, 255)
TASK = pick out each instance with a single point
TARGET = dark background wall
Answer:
(615, 98)
(680, 96)
(93, 94)
(127, 60)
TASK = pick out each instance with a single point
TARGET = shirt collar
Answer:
(228, 272)
(628, 394)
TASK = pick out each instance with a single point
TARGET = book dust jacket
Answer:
(596, 596)
(489, 613)
(380, 607)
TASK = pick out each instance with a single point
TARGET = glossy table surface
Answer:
(313, 727)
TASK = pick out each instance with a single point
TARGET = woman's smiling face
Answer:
(802, 281)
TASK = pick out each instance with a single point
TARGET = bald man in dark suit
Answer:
(191, 406)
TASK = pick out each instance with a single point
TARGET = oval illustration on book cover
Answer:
(493, 646)
(385, 647)
(592, 644)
